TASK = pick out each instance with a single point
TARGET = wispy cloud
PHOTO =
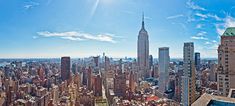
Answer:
(207, 43)
(193, 6)
(227, 22)
(211, 45)
(201, 15)
(30, 4)
(79, 36)
(201, 33)
(200, 36)
(175, 16)
(213, 16)
(147, 18)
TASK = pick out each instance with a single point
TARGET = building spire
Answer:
(143, 20)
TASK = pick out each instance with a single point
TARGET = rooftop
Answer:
(229, 32)
(212, 100)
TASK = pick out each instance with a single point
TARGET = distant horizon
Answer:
(91, 56)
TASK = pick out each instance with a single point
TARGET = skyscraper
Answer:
(131, 82)
(197, 61)
(150, 61)
(89, 78)
(164, 61)
(226, 61)
(188, 78)
(98, 85)
(96, 61)
(65, 68)
(143, 49)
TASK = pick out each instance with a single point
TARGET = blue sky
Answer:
(81, 28)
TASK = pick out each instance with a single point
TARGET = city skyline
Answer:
(48, 29)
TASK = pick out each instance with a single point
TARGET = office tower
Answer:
(96, 61)
(150, 61)
(164, 61)
(188, 78)
(106, 64)
(226, 62)
(74, 68)
(89, 78)
(132, 82)
(98, 85)
(143, 49)
(120, 84)
(84, 76)
(65, 68)
(120, 66)
(197, 61)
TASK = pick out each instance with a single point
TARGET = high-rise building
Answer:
(188, 79)
(98, 85)
(96, 61)
(197, 61)
(106, 63)
(164, 61)
(74, 68)
(84, 76)
(89, 78)
(120, 84)
(65, 68)
(226, 62)
(150, 61)
(143, 49)
(132, 82)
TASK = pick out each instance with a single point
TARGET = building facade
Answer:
(143, 49)
(188, 80)
(164, 61)
(65, 68)
(226, 62)
(197, 61)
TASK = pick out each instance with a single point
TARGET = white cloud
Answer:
(190, 18)
(199, 38)
(31, 4)
(227, 22)
(215, 17)
(214, 41)
(175, 16)
(147, 18)
(78, 36)
(201, 15)
(193, 6)
(207, 43)
(201, 33)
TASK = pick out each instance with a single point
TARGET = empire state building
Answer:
(143, 48)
